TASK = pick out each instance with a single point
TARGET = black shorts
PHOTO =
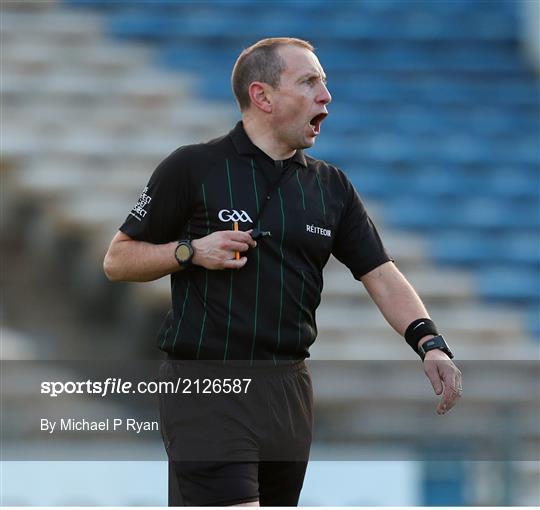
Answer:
(238, 441)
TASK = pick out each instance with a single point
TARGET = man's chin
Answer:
(305, 143)
(308, 142)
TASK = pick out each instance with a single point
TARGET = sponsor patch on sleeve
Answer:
(139, 210)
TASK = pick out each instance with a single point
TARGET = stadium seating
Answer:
(435, 120)
(421, 102)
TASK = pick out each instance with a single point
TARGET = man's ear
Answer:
(259, 93)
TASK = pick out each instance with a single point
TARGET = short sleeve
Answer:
(163, 208)
(357, 243)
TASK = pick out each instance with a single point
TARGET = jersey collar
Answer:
(245, 146)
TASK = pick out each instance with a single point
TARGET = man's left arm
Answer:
(400, 305)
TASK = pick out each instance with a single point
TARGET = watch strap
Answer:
(184, 261)
(437, 342)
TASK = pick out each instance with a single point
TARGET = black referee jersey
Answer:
(266, 310)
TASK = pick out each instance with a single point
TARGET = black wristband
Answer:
(417, 330)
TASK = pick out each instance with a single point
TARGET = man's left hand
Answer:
(445, 378)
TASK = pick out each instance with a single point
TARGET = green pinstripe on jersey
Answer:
(280, 271)
(255, 315)
(167, 317)
(205, 274)
(301, 308)
(181, 315)
(168, 329)
(301, 190)
(322, 194)
(230, 271)
(186, 295)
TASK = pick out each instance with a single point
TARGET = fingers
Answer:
(234, 264)
(432, 372)
(445, 378)
(218, 250)
(235, 246)
(240, 237)
(453, 389)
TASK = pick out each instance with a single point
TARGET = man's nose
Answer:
(324, 96)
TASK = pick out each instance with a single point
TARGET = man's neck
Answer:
(263, 138)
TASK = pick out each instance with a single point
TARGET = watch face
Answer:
(183, 252)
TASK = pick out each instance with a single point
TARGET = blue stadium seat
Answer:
(379, 183)
(515, 183)
(510, 284)
(464, 249)
(413, 214)
(476, 214)
(493, 214)
(474, 249)
(522, 249)
(197, 60)
(94, 4)
(137, 25)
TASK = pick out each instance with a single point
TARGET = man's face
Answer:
(299, 102)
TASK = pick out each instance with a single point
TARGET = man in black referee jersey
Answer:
(244, 224)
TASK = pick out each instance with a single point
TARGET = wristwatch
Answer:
(437, 342)
(183, 253)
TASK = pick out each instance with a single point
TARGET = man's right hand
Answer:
(217, 250)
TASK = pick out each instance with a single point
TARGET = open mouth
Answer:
(316, 121)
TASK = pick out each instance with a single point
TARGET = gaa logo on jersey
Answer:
(226, 215)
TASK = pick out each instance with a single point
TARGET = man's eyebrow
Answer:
(313, 74)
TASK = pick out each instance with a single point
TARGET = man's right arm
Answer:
(129, 260)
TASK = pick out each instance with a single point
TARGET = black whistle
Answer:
(259, 234)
